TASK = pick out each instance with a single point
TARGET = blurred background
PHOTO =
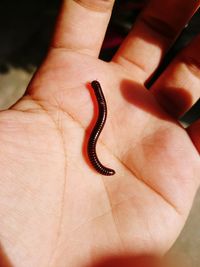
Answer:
(26, 28)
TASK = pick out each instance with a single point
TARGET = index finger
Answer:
(82, 24)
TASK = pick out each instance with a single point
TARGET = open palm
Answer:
(56, 209)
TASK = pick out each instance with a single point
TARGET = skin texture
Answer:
(55, 209)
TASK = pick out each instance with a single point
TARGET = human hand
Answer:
(55, 209)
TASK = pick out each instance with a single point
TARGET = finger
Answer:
(178, 88)
(82, 24)
(154, 32)
(194, 132)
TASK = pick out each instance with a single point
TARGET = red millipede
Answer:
(91, 148)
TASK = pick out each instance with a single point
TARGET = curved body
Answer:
(91, 149)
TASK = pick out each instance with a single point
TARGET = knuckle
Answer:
(159, 27)
(193, 64)
(189, 56)
(96, 5)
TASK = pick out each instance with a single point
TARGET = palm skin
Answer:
(56, 209)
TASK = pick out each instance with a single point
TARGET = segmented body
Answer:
(102, 110)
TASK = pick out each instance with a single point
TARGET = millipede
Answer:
(98, 127)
